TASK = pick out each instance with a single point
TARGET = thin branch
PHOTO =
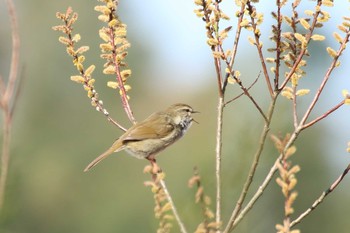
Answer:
(217, 65)
(2, 88)
(15, 52)
(109, 118)
(218, 158)
(5, 157)
(170, 200)
(278, 44)
(323, 115)
(325, 79)
(245, 90)
(238, 35)
(321, 198)
(292, 139)
(119, 79)
(253, 167)
(218, 150)
(251, 85)
(67, 28)
(259, 46)
(6, 99)
(303, 50)
(17, 93)
(295, 112)
(265, 183)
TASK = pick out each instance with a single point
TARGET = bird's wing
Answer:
(160, 126)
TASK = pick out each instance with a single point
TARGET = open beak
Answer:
(194, 119)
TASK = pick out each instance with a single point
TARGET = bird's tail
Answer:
(101, 157)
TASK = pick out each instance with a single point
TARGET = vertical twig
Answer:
(124, 96)
(265, 183)
(278, 44)
(218, 158)
(15, 52)
(170, 200)
(237, 36)
(251, 9)
(7, 100)
(295, 109)
(5, 157)
(253, 167)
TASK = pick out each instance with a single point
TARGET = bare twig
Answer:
(265, 183)
(15, 52)
(8, 100)
(259, 48)
(295, 111)
(238, 96)
(325, 79)
(218, 159)
(323, 115)
(170, 200)
(17, 92)
(321, 198)
(5, 157)
(237, 36)
(253, 167)
(109, 118)
(245, 90)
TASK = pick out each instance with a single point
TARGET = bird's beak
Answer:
(195, 121)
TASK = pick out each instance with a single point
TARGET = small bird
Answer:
(147, 138)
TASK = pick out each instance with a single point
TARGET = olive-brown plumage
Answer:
(147, 138)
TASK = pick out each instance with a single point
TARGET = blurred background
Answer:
(56, 132)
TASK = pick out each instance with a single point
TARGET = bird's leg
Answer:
(155, 168)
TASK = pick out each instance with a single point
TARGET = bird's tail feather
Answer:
(100, 158)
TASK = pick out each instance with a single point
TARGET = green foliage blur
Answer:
(57, 133)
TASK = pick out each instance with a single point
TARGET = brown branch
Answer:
(253, 168)
(15, 52)
(245, 90)
(259, 48)
(323, 115)
(7, 98)
(303, 50)
(158, 181)
(173, 208)
(265, 183)
(5, 156)
(278, 44)
(19, 87)
(237, 36)
(119, 79)
(251, 85)
(325, 79)
(295, 112)
(218, 152)
(321, 198)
